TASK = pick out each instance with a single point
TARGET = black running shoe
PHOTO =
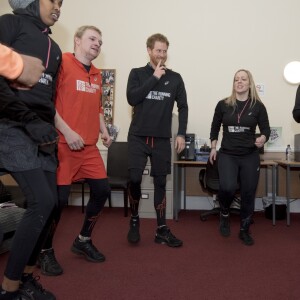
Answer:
(4, 295)
(246, 237)
(48, 263)
(87, 249)
(164, 236)
(224, 225)
(31, 289)
(133, 235)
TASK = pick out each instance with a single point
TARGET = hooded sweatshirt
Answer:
(27, 34)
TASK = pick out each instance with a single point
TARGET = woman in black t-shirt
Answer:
(238, 157)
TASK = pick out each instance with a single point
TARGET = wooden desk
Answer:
(179, 182)
(288, 165)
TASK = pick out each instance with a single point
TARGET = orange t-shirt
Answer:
(78, 98)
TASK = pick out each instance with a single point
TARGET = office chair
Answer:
(209, 181)
(117, 170)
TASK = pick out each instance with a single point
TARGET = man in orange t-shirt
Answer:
(79, 120)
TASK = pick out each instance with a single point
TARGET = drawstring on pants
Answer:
(152, 141)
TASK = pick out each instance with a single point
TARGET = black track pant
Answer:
(39, 189)
(243, 170)
(99, 191)
(159, 194)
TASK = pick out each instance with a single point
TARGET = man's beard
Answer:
(157, 60)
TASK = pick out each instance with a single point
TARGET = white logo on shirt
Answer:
(160, 96)
(86, 87)
(238, 129)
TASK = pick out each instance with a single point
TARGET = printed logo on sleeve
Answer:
(46, 79)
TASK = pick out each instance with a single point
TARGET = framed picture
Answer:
(108, 94)
(275, 140)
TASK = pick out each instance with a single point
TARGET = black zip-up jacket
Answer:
(239, 126)
(27, 34)
(153, 101)
(296, 110)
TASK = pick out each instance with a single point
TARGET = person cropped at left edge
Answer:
(28, 154)
(22, 69)
(238, 157)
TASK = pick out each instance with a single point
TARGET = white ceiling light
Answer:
(292, 72)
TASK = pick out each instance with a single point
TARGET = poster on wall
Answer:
(108, 94)
(275, 140)
(108, 100)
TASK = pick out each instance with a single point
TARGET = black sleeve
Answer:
(263, 122)
(55, 82)
(9, 29)
(182, 106)
(10, 105)
(216, 122)
(137, 90)
(296, 110)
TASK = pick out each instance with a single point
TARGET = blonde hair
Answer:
(81, 30)
(253, 94)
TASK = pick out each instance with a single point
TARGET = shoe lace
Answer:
(36, 284)
(134, 223)
(168, 234)
(90, 246)
(51, 258)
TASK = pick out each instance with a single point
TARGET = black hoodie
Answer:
(27, 34)
(296, 110)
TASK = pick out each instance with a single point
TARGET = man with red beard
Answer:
(152, 92)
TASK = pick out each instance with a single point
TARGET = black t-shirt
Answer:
(239, 126)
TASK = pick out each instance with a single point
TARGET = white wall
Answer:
(209, 41)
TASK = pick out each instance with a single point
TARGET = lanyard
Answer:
(240, 114)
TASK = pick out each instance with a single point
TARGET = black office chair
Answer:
(209, 181)
(117, 170)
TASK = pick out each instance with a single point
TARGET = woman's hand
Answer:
(260, 141)
(212, 155)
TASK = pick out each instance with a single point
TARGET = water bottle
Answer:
(288, 153)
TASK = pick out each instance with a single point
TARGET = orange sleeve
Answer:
(11, 65)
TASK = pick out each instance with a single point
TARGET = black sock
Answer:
(162, 229)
